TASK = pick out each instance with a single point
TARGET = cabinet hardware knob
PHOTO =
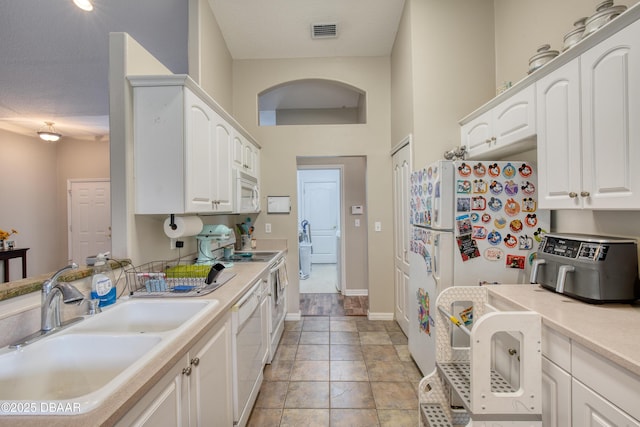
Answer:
(195, 361)
(493, 138)
(512, 351)
(573, 194)
(584, 194)
(186, 371)
(488, 141)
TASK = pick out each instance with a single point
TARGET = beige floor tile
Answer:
(392, 326)
(307, 394)
(380, 352)
(342, 326)
(272, 394)
(394, 395)
(290, 338)
(286, 352)
(314, 337)
(278, 370)
(412, 371)
(293, 325)
(263, 417)
(403, 353)
(354, 418)
(339, 337)
(312, 352)
(398, 337)
(316, 325)
(345, 352)
(305, 417)
(371, 338)
(380, 370)
(310, 370)
(348, 370)
(370, 326)
(398, 417)
(352, 394)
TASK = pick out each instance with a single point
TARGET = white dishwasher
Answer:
(248, 347)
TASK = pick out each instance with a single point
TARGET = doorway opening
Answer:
(319, 229)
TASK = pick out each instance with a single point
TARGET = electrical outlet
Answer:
(378, 226)
(267, 227)
(357, 222)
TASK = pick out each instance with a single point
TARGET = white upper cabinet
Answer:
(503, 129)
(246, 156)
(183, 148)
(588, 132)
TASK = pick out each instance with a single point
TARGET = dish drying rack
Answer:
(158, 279)
(466, 375)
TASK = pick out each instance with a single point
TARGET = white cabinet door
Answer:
(559, 142)
(222, 184)
(199, 140)
(610, 75)
(210, 380)
(556, 395)
(165, 405)
(502, 129)
(246, 156)
(590, 409)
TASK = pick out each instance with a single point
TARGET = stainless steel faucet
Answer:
(52, 292)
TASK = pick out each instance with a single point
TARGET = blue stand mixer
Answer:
(211, 233)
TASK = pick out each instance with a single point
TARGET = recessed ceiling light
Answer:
(84, 5)
(50, 134)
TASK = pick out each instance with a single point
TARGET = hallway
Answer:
(339, 371)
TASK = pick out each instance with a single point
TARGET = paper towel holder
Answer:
(172, 222)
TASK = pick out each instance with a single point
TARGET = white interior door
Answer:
(401, 172)
(89, 210)
(320, 205)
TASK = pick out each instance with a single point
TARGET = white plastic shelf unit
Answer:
(467, 372)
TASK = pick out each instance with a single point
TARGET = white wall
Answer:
(282, 144)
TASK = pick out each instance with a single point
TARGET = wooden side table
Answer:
(6, 255)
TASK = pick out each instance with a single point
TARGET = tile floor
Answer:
(339, 371)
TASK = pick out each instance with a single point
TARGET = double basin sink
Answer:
(75, 370)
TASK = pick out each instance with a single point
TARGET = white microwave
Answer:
(247, 193)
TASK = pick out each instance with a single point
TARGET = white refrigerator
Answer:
(472, 222)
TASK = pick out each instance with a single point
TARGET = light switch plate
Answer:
(267, 227)
(378, 226)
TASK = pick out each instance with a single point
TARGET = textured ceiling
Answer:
(54, 56)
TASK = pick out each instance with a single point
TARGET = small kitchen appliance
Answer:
(213, 233)
(594, 269)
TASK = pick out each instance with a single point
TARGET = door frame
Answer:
(340, 169)
(69, 209)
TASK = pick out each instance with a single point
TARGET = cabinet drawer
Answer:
(556, 347)
(609, 380)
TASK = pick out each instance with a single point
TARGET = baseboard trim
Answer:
(380, 316)
(293, 317)
(355, 292)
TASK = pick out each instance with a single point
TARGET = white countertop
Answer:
(124, 398)
(611, 330)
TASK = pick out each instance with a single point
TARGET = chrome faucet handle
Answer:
(94, 307)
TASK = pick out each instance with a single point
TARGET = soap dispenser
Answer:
(102, 284)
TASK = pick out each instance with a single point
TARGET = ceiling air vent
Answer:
(324, 31)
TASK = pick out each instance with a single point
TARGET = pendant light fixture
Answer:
(50, 134)
(84, 5)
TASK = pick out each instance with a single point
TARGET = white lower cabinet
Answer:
(196, 391)
(591, 409)
(556, 395)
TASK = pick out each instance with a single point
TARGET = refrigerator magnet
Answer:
(528, 204)
(494, 237)
(464, 169)
(509, 171)
(525, 243)
(479, 232)
(495, 187)
(478, 203)
(511, 207)
(468, 247)
(479, 186)
(531, 220)
(528, 188)
(464, 224)
(510, 187)
(510, 241)
(525, 170)
(516, 225)
(486, 217)
(500, 222)
(493, 254)
(539, 234)
(515, 261)
(495, 204)
(463, 187)
(463, 204)
(494, 170)
(475, 217)
(479, 170)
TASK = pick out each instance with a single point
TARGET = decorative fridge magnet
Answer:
(525, 243)
(494, 238)
(496, 187)
(478, 203)
(475, 217)
(468, 247)
(500, 222)
(464, 186)
(531, 220)
(429, 188)
(480, 186)
(486, 218)
(528, 188)
(510, 187)
(511, 207)
(516, 225)
(515, 261)
(525, 170)
(463, 223)
(528, 204)
(479, 170)
(423, 311)
(464, 169)
(510, 241)
(495, 204)
(494, 170)
(493, 254)
(509, 171)
(463, 204)
(479, 232)
(437, 190)
(539, 234)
